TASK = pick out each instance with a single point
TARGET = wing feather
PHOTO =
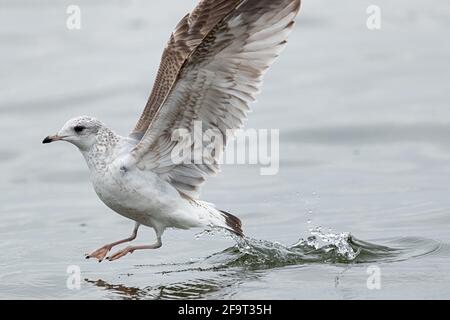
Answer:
(216, 84)
(187, 36)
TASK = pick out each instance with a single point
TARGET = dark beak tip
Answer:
(47, 140)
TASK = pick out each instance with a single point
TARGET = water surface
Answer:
(364, 120)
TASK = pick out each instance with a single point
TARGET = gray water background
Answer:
(364, 118)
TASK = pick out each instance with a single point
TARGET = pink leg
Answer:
(100, 253)
(119, 254)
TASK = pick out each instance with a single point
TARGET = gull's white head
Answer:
(80, 131)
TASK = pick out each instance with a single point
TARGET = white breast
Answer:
(138, 195)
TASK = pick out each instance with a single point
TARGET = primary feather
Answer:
(220, 76)
(187, 36)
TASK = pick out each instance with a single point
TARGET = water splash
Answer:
(331, 241)
(319, 247)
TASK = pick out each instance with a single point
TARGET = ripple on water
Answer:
(227, 268)
(7, 155)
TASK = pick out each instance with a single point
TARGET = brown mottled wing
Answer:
(188, 35)
(215, 86)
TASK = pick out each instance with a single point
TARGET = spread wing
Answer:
(188, 35)
(215, 85)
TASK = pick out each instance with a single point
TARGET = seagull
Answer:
(211, 70)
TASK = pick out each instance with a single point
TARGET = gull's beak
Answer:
(51, 139)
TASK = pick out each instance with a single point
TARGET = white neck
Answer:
(104, 150)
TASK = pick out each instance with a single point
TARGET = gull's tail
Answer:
(233, 223)
(210, 216)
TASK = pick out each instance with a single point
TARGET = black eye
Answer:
(79, 129)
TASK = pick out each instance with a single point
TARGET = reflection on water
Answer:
(190, 289)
